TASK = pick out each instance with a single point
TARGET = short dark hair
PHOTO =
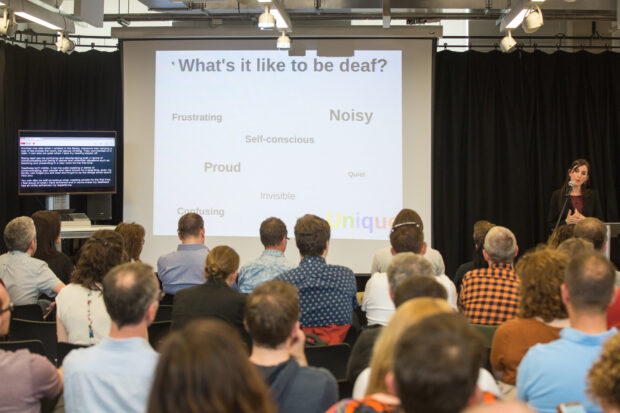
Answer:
(407, 237)
(593, 230)
(311, 235)
(271, 311)
(128, 291)
(272, 232)
(415, 287)
(408, 215)
(190, 224)
(590, 279)
(436, 364)
(574, 246)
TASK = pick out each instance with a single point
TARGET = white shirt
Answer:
(73, 311)
(378, 304)
(383, 257)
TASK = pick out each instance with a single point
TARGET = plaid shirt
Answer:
(490, 295)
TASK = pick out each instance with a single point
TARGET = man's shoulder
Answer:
(315, 375)
(339, 269)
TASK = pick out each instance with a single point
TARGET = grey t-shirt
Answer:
(299, 389)
(26, 278)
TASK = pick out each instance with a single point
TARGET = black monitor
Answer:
(66, 162)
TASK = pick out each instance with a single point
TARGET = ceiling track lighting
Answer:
(533, 20)
(284, 42)
(8, 24)
(508, 43)
(64, 44)
(266, 20)
(517, 14)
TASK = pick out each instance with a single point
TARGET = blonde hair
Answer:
(408, 314)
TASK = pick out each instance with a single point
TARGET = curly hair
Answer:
(561, 234)
(102, 251)
(604, 376)
(220, 263)
(133, 235)
(541, 274)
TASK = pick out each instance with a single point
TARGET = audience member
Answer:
(133, 236)
(184, 267)
(382, 257)
(116, 374)
(490, 295)
(604, 377)
(27, 377)
(480, 231)
(377, 299)
(47, 224)
(272, 319)
(273, 236)
(81, 316)
(561, 234)
(204, 368)
(404, 266)
(327, 293)
(416, 287)
(541, 313)
(436, 365)
(214, 298)
(25, 277)
(500, 407)
(372, 379)
(594, 230)
(575, 246)
(555, 373)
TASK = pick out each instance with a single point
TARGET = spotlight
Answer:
(64, 44)
(533, 20)
(266, 20)
(508, 43)
(284, 42)
(8, 25)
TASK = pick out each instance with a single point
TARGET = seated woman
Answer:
(47, 224)
(204, 368)
(82, 317)
(480, 231)
(541, 313)
(133, 235)
(215, 298)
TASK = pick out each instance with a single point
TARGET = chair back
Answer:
(34, 346)
(28, 312)
(45, 331)
(334, 358)
(65, 348)
(487, 332)
(164, 313)
(158, 330)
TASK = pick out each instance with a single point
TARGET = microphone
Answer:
(570, 188)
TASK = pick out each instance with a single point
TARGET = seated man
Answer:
(436, 366)
(27, 377)
(326, 292)
(115, 375)
(490, 295)
(25, 277)
(555, 373)
(273, 236)
(406, 237)
(184, 267)
(271, 317)
(382, 257)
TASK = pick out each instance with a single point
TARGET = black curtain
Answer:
(506, 128)
(45, 89)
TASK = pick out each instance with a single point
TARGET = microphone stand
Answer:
(570, 189)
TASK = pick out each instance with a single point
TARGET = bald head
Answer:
(593, 230)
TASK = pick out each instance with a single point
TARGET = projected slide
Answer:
(244, 135)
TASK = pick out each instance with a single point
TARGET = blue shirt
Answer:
(26, 278)
(182, 268)
(326, 292)
(263, 269)
(556, 372)
(112, 376)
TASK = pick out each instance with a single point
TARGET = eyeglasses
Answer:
(9, 308)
